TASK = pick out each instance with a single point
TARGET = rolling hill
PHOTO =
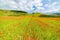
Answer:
(12, 13)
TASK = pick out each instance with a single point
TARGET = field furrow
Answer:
(29, 28)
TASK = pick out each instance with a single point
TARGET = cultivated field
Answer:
(29, 28)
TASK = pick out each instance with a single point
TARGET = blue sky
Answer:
(45, 6)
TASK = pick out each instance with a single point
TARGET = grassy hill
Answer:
(21, 13)
(12, 13)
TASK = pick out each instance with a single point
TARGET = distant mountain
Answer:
(57, 14)
(50, 15)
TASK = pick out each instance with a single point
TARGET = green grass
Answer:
(22, 28)
(12, 25)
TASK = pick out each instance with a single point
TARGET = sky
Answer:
(44, 6)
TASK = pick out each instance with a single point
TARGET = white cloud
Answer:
(37, 1)
(52, 10)
(2, 2)
(24, 5)
(12, 4)
(51, 4)
(52, 7)
(27, 5)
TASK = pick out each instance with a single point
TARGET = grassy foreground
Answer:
(29, 28)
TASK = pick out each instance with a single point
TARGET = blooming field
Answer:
(29, 28)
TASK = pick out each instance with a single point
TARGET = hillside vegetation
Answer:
(12, 13)
(21, 13)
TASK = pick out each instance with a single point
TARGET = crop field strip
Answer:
(29, 28)
(52, 25)
(12, 26)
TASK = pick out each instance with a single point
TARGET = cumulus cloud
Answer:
(53, 10)
(24, 5)
(12, 4)
(2, 2)
(30, 5)
(52, 4)
(52, 7)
